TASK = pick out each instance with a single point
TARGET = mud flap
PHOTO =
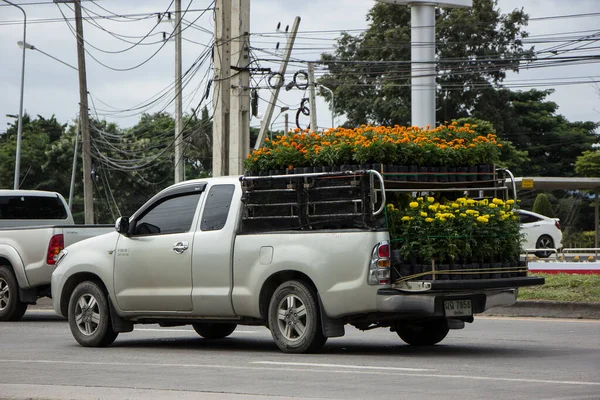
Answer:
(119, 324)
(331, 328)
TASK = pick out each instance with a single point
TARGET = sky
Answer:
(120, 88)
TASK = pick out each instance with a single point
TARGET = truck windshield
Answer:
(31, 207)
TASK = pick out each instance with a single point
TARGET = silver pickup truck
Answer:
(303, 255)
(34, 227)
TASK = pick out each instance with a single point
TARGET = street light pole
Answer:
(332, 104)
(20, 127)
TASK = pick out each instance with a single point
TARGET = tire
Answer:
(544, 242)
(426, 333)
(294, 318)
(11, 308)
(209, 330)
(89, 316)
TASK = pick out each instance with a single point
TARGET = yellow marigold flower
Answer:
(455, 205)
(428, 219)
(462, 215)
(423, 214)
(419, 199)
(413, 204)
(406, 218)
(470, 212)
(483, 220)
(497, 201)
(433, 207)
(430, 199)
(461, 200)
(493, 205)
(509, 202)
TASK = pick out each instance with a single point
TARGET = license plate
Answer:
(458, 308)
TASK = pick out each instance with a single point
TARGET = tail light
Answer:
(379, 268)
(557, 224)
(57, 243)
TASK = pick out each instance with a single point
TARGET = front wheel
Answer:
(89, 316)
(11, 308)
(209, 330)
(294, 318)
(425, 333)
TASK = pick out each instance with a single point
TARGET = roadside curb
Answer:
(548, 309)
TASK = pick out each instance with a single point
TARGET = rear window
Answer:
(31, 207)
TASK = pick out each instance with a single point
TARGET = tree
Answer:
(588, 164)
(36, 137)
(532, 124)
(370, 73)
(542, 205)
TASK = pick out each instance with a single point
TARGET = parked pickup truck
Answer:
(302, 254)
(34, 227)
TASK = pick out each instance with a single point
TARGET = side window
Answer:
(218, 204)
(527, 219)
(173, 215)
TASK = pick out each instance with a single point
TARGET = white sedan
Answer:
(540, 232)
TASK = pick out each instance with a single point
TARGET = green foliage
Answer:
(586, 239)
(588, 164)
(372, 92)
(564, 287)
(478, 231)
(542, 205)
(532, 124)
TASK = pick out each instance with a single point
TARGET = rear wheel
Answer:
(425, 333)
(544, 242)
(11, 308)
(294, 318)
(89, 316)
(211, 330)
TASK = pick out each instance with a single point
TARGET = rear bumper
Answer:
(483, 293)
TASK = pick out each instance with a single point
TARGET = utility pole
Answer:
(285, 122)
(275, 93)
(178, 144)
(221, 98)
(239, 119)
(88, 191)
(312, 97)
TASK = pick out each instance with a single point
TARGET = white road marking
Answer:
(341, 366)
(310, 370)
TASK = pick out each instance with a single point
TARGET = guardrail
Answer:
(564, 251)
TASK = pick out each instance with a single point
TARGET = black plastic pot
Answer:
(443, 177)
(423, 174)
(472, 173)
(390, 171)
(413, 170)
(461, 174)
(441, 275)
(433, 174)
(402, 171)
(484, 170)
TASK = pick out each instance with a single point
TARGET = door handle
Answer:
(180, 247)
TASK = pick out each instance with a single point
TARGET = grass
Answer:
(564, 287)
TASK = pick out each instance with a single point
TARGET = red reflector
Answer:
(557, 224)
(384, 251)
(57, 243)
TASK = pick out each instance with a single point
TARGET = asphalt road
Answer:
(494, 358)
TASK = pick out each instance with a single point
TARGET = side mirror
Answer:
(122, 225)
